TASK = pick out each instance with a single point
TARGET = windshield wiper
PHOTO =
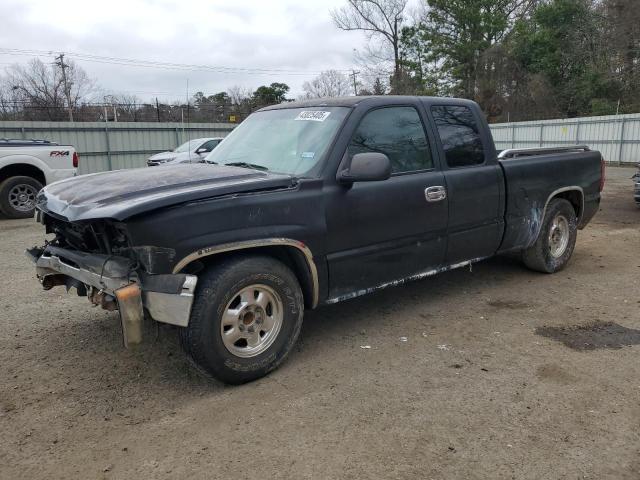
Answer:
(248, 165)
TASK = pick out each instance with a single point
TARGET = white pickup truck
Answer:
(28, 165)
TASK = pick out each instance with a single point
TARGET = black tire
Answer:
(10, 204)
(539, 256)
(217, 287)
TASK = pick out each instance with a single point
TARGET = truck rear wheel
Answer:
(245, 319)
(556, 240)
(18, 196)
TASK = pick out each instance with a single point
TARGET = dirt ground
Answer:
(504, 373)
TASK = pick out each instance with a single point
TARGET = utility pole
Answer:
(67, 87)
(113, 105)
(355, 82)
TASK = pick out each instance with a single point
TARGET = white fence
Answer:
(616, 136)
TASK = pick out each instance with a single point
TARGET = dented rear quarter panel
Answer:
(530, 182)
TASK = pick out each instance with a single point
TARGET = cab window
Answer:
(459, 135)
(398, 133)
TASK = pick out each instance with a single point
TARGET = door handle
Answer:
(435, 194)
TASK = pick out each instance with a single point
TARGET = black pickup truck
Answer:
(306, 204)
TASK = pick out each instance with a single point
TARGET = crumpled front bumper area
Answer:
(110, 281)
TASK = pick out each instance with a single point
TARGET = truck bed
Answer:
(531, 180)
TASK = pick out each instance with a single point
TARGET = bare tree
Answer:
(123, 99)
(40, 86)
(239, 95)
(9, 104)
(125, 106)
(331, 83)
(380, 19)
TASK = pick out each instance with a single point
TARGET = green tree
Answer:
(420, 63)
(378, 87)
(525, 59)
(561, 47)
(448, 51)
(622, 35)
(221, 98)
(199, 98)
(272, 94)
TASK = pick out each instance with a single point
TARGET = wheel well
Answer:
(574, 197)
(290, 256)
(22, 170)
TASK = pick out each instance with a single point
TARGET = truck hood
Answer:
(123, 193)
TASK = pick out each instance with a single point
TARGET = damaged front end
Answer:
(97, 259)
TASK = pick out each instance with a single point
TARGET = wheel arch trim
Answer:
(25, 163)
(250, 244)
(555, 193)
(539, 214)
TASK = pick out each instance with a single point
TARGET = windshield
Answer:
(290, 140)
(188, 146)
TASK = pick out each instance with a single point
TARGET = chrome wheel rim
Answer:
(22, 197)
(558, 236)
(251, 321)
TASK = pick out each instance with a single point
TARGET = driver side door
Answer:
(387, 231)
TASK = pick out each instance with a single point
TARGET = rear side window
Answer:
(398, 133)
(459, 134)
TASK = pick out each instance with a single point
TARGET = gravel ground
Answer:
(504, 373)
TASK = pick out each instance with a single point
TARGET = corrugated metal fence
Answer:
(616, 136)
(114, 145)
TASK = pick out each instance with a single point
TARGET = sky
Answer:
(296, 36)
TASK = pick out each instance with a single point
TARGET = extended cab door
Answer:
(474, 182)
(380, 232)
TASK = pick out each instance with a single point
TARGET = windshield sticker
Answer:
(308, 155)
(313, 116)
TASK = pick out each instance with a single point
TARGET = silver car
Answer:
(192, 151)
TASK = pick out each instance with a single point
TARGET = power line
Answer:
(161, 65)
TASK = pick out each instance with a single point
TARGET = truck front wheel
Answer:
(18, 196)
(245, 319)
(556, 240)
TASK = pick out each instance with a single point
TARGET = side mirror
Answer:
(366, 167)
(202, 150)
